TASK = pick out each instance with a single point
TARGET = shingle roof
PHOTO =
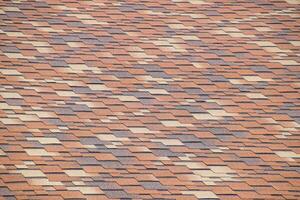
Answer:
(182, 99)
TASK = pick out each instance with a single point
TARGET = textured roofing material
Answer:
(182, 99)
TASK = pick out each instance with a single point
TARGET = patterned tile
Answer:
(175, 99)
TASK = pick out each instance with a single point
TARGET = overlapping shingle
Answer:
(181, 99)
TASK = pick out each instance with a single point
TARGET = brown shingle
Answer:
(181, 99)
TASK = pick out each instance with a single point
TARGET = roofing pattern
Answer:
(182, 99)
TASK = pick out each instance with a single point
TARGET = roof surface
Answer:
(150, 99)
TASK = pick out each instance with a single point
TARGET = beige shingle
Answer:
(79, 173)
(287, 154)
(10, 95)
(10, 72)
(221, 169)
(256, 96)
(66, 93)
(220, 113)
(256, 78)
(39, 152)
(44, 140)
(139, 130)
(205, 117)
(31, 173)
(43, 182)
(87, 190)
(156, 91)
(202, 194)
(126, 98)
(110, 137)
(98, 87)
(174, 123)
(169, 142)
(295, 43)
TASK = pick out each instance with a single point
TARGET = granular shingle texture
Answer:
(182, 99)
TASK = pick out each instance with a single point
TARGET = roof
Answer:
(182, 99)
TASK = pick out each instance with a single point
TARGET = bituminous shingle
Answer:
(181, 99)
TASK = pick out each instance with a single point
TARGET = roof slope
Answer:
(182, 99)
